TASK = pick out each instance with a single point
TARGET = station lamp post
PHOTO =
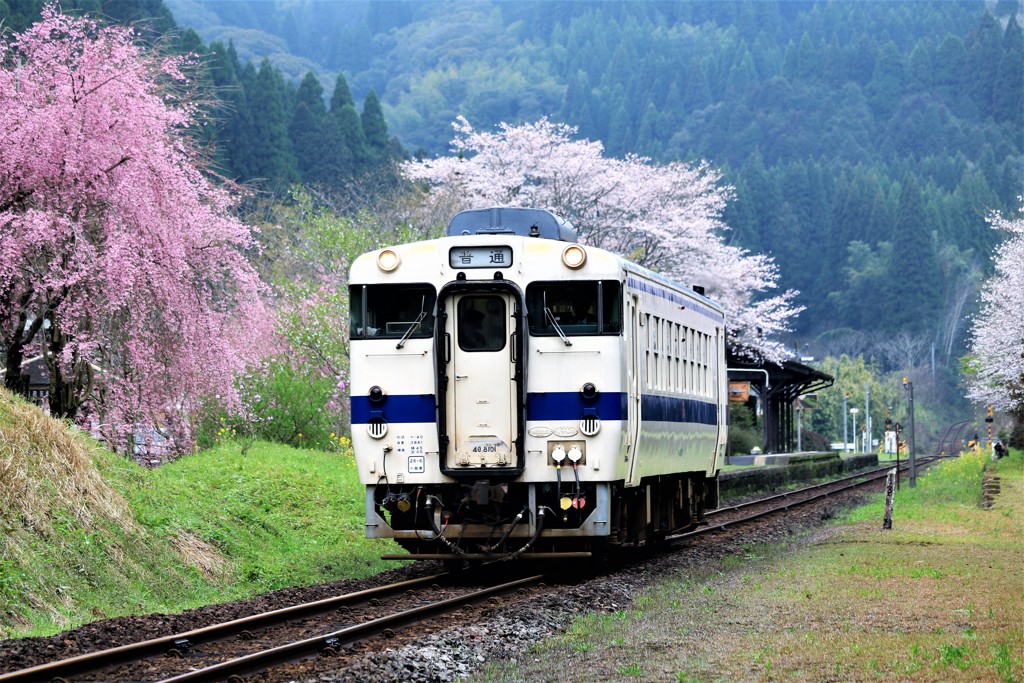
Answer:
(853, 411)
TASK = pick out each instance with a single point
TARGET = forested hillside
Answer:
(866, 141)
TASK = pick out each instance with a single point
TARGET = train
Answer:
(516, 394)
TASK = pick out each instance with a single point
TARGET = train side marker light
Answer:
(574, 256)
(377, 428)
(388, 260)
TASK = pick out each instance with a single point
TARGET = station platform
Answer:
(769, 472)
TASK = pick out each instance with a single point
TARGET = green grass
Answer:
(283, 516)
(88, 534)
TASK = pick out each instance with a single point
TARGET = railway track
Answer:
(329, 627)
(732, 515)
(226, 650)
(953, 438)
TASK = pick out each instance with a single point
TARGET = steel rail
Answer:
(100, 659)
(796, 492)
(346, 637)
(873, 476)
(951, 435)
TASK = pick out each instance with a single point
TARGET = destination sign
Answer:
(480, 257)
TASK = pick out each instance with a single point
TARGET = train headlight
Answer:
(388, 260)
(574, 256)
(589, 391)
(376, 394)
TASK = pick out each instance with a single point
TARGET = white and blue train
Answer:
(517, 394)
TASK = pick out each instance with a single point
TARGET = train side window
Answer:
(582, 307)
(392, 311)
(611, 307)
(356, 314)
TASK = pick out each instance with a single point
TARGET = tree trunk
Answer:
(67, 391)
(19, 338)
(12, 378)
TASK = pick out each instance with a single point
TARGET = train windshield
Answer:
(574, 308)
(403, 311)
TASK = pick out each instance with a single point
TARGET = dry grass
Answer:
(41, 462)
(197, 553)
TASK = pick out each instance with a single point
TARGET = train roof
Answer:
(508, 220)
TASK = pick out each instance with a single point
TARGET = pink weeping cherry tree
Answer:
(998, 343)
(666, 217)
(120, 260)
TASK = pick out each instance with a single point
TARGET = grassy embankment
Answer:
(88, 534)
(940, 597)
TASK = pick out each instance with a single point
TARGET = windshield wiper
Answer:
(551, 319)
(414, 325)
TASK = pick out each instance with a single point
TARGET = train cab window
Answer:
(574, 308)
(391, 311)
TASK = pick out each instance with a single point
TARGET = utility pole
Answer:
(988, 422)
(909, 386)
(799, 424)
(846, 439)
(853, 411)
(867, 418)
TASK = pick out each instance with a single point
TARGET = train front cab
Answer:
(517, 426)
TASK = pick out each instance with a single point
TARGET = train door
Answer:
(481, 412)
(633, 379)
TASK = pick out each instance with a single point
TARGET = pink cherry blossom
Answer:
(119, 256)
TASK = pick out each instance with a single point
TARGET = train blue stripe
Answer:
(546, 406)
(673, 409)
(569, 405)
(396, 408)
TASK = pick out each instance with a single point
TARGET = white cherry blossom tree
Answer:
(998, 345)
(667, 217)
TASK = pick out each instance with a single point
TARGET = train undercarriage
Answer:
(483, 520)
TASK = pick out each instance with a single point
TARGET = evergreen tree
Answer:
(765, 201)
(336, 163)
(232, 139)
(351, 128)
(951, 74)
(576, 104)
(375, 128)
(272, 157)
(920, 72)
(984, 55)
(342, 96)
(885, 89)
(915, 279)
(1008, 88)
(306, 127)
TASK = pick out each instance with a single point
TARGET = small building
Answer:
(777, 387)
(34, 382)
